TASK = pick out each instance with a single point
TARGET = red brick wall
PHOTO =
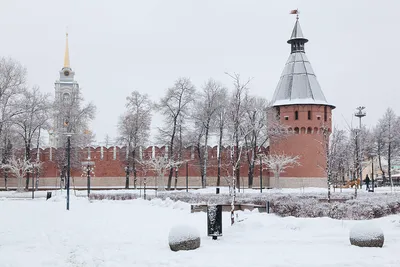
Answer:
(110, 166)
(306, 140)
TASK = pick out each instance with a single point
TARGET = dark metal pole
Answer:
(360, 150)
(88, 180)
(33, 182)
(68, 167)
(187, 176)
(261, 182)
(372, 175)
(144, 186)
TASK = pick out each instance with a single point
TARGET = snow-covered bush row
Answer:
(366, 206)
(343, 206)
(118, 196)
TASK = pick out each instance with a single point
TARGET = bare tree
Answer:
(35, 116)
(134, 128)
(175, 107)
(380, 147)
(261, 124)
(12, 84)
(278, 163)
(205, 113)
(19, 168)
(107, 140)
(334, 150)
(159, 165)
(389, 124)
(236, 114)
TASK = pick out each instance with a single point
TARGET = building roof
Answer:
(298, 83)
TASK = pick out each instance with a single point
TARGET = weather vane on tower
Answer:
(295, 11)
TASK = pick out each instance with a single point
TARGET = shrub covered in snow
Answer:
(342, 206)
(184, 237)
(118, 196)
(366, 234)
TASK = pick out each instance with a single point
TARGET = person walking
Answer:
(367, 180)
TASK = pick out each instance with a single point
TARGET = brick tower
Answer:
(301, 105)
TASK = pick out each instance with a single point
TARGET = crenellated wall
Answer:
(109, 165)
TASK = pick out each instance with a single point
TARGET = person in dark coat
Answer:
(367, 180)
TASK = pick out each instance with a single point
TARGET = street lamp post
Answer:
(359, 114)
(33, 181)
(372, 174)
(87, 170)
(68, 166)
(261, 181)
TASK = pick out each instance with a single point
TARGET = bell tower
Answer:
(302, 107)
(66, 94)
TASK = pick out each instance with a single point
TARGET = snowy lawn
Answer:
(135, 233)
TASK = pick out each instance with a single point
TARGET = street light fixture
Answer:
(68, 134)
(88, 168)
(127, 170)
(359, 114)
(372, 155)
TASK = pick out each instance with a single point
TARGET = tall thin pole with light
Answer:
(360, 113)
(66, 123)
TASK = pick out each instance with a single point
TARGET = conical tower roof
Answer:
(298, 83)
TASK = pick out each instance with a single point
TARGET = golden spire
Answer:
(66, 56)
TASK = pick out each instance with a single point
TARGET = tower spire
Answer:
(297, 39)
(66, 55)
(298, 84)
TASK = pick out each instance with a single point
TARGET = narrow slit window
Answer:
(325, 113)
(309, 114)
(296, 115)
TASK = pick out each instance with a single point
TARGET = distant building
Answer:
(301, 105)
(66, 92)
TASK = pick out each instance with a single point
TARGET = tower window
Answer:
(325, 113)
(286, 118)
(309, 114)
(296, 115)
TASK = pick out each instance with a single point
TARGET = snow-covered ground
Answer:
(135, 233)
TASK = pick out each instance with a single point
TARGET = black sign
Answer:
(214, 220)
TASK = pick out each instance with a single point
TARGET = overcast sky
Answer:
(120, 46)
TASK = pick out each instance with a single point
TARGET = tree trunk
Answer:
(219, 156)
(171, 152)
(276, 174)
(204, 179)
(382, 170)
(237, 164)
(5, 180)
(200, 161)
(27, 157)
(176, 177)
(134, 167)
(251, 175)
(390, 165)
(161, 186)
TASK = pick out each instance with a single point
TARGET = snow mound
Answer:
(184, 237)
(170, 203)
(366, 234)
